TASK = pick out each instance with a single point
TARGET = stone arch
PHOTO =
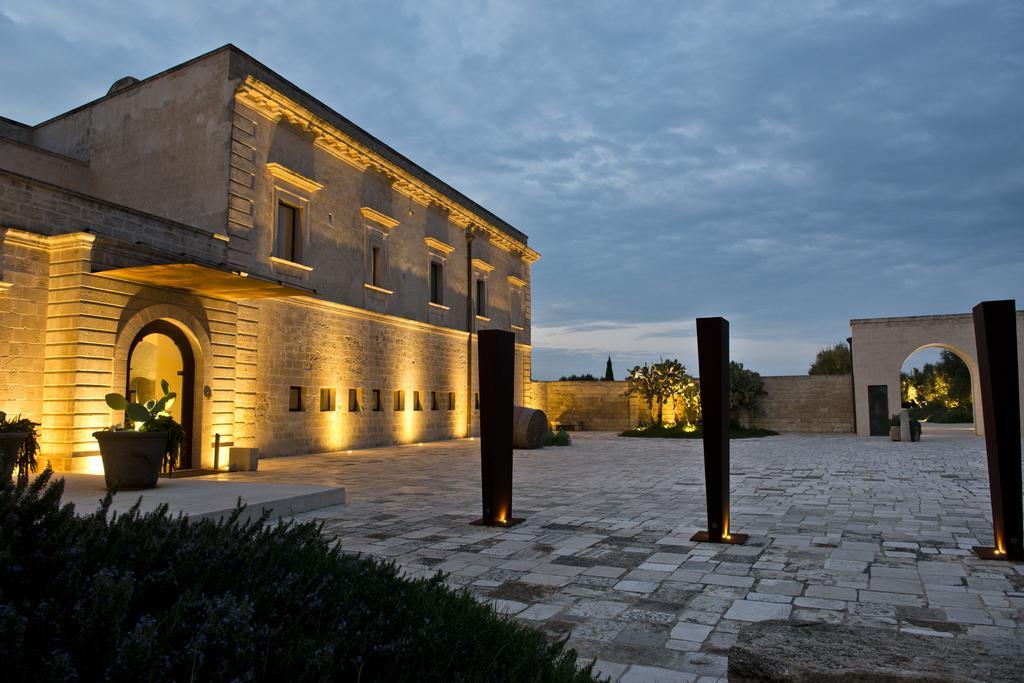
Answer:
(969, 359)
(131, 323)
(881, 345)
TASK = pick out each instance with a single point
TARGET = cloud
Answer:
(789, 165)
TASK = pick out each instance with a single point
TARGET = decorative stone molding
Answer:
(34, 240)
(482, 265)
(375, 288)
(272, 104)
(378, 217)
(437, 244)
(516, 281)
(290, 264)
(290, 176)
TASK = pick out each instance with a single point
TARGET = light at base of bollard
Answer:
(728, 539)
(504, 524)
(991, 553)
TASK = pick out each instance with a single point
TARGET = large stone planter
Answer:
(131, 460)
(10, 446)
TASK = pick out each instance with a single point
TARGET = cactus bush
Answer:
(152, 416)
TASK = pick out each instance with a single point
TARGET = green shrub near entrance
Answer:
(152, 597)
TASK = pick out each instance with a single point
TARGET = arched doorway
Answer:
(161, 351)
(937, 388)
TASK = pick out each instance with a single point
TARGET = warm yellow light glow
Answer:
(91, 464)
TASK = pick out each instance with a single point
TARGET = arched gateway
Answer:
(880, 345)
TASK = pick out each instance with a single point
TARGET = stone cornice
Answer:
(34, 240)
(480, 264)
(516, 281)
(378, 217)
(260, 97)
(289, 176)
(434, 243)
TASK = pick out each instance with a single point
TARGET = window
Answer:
(433, 400)
(481, 298)
(376, 400)
(436, 283)
(289, 233)
(294, 399)
(451, 400)
(354, 399)
(376, 267)
(476, 401)
(327, 397)
(416, 404)
(399, 402)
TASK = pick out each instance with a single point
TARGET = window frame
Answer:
(295, 392)
(331, 396)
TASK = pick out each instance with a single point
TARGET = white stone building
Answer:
(305, 287)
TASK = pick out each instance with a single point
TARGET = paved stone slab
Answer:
(609, 520)
(747, 610)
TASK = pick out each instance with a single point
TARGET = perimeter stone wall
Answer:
(798, 403)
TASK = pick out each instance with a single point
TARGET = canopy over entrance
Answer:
(205, 280)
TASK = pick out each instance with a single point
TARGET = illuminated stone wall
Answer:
(24, 274)
(807, 403)
(190, 165)
(798, 403)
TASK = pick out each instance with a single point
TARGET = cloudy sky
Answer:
(788, 165)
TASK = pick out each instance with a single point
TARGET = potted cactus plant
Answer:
(19, 443)
(135, 451)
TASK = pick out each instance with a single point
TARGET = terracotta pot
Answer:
(131, 460)
(894, 433)
(10, 446)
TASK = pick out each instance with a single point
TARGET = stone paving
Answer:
(843, 530)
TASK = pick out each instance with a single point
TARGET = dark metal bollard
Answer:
(713, 362)
(995, 332)
(496, 354)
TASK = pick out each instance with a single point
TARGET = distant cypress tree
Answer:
(609, 376)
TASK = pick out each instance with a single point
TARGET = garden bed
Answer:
(680, 432)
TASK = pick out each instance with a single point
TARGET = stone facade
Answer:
(882, 345)
(163, 201)
(799, 403)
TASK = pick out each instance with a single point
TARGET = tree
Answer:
(745, 389)
(834, 360)
(578, 378)
(609, 376)
(658, 383)
(945, 384)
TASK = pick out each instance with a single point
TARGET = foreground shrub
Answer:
(151, 597)
(678, 431)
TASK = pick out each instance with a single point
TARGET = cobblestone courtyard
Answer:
(843, 529)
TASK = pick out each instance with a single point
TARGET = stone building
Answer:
(305, 287)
